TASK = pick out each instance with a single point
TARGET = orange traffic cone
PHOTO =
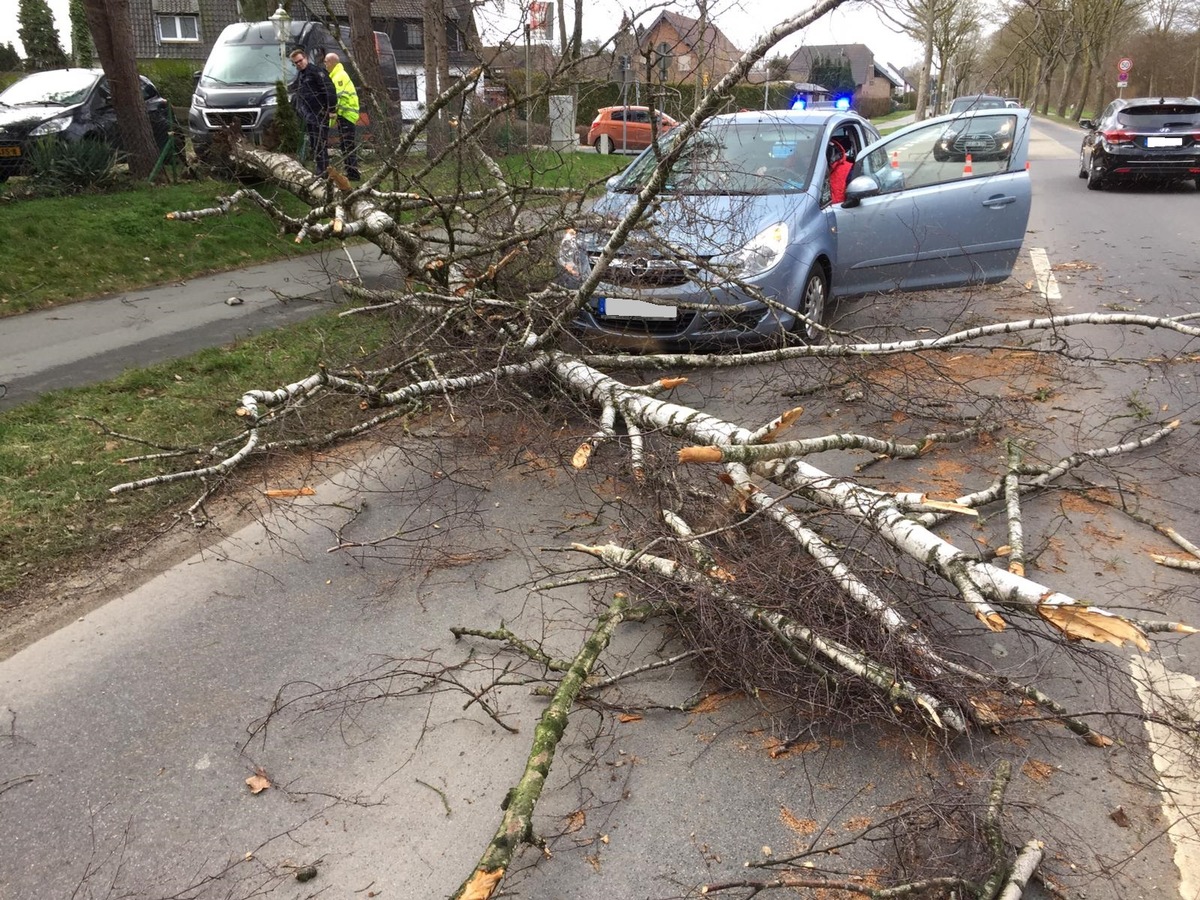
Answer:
(895, 159)
(967, 170)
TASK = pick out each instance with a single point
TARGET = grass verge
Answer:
(63, 249)
(56, 467)
(73, 248)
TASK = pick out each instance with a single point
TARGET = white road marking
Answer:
(1173, 756)
(1047, 284)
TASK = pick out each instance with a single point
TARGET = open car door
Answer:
(938, 204)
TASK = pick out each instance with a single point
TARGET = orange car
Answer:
(625, 128)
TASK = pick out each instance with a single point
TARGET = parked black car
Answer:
(1147, 137)
(72, 105)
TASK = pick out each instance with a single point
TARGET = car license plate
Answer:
(622, 308)
(10, 151)
(1164, 142)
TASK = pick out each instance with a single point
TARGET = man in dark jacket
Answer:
(315, 99)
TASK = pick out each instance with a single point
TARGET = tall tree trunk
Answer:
(112, 32)
(1084, 89)
(1068, 80)
(434, 26)
(372, 95)
(923, 82)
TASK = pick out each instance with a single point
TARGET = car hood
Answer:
(18, 121)
(710, 224)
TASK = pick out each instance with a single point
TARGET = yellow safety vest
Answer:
(347, 96)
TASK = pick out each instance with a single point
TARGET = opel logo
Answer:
(640, 267)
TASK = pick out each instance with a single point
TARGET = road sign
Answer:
(1124, 65)
(1122, 79)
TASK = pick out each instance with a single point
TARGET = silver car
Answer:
(752, 235)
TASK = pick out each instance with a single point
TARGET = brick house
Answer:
(689, 52)
(873, 80)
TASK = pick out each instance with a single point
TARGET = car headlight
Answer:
(269, 99)
(761, 253)
(569, 252)
(198, 102)
(51, 126)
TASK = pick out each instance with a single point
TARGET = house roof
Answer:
(688, 30)
(380, 9)
(860, 57)
(891, 74)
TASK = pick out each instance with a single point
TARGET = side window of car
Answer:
(943, 152)
(148, 91)
(639, 117)
(617, 115)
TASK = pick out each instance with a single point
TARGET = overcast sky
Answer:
(742, 22)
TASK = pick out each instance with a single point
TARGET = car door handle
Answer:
(998, 201)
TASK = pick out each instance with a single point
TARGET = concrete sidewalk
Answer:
(86, 342)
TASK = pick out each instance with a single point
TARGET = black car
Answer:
(1157, 137)
(70, 104)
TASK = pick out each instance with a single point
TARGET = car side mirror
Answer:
(612, 181)
(105, 96)
(1087, 123)
(859, 189)
(196, 77)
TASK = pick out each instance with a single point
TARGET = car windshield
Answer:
(962, 104)
(246, 64)
(60, 87)
(770, 157)
(1160, 115)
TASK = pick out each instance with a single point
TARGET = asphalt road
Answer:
(127, 736)
(83, 343)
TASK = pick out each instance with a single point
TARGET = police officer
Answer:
(316, 101)
(347, 113)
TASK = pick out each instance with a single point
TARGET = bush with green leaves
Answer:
(70, 167)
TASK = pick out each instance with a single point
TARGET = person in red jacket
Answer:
(839, 171)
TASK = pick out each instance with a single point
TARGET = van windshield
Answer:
(246, 64)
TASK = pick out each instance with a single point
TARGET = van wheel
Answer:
(814, 303)
(604, 144)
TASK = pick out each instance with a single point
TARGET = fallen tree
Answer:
(865, 599)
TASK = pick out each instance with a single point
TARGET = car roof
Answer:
(797, 116)
(1157, 101)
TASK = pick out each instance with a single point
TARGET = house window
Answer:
(178, 29)
(408, 87)
(454, 38)
(413, 35)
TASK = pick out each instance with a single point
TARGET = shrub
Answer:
(174, 78)
(65, 167)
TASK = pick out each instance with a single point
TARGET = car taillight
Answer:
(1117, 136)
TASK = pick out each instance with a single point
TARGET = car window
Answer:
(942, 152)
(764, 157)
(640, 116)
(616, 115)
(58, 87)
(1160, 116)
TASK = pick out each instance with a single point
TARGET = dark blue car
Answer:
(71, 105)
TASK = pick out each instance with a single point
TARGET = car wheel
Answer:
(604, 144)
(1095, 177)
(814, 302)
(1083, 172)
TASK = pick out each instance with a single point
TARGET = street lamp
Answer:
(282, 24)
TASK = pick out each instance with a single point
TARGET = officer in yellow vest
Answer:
(346, 118)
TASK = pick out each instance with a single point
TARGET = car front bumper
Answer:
(697, 315)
